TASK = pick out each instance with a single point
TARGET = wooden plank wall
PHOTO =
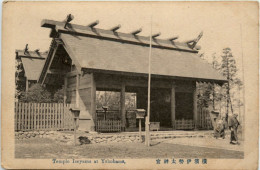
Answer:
(87, 99)
(80, 93)
(71, 89)
(43, 116)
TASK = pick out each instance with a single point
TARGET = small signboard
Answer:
(75, 112)
(140, 113)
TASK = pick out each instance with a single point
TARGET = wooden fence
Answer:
(108, 126)
(108, 115)
(184, 124)
(42, 116)
(204, 120)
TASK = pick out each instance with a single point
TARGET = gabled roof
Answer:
(98, 49)
(32, 63)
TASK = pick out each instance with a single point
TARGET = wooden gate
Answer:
(42, 116)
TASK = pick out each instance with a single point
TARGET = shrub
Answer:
(36, 93)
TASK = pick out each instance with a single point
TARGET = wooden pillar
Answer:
(173, 106)
(140, 130)
(77, 91)
(93, 100)
(122, 103)
(195, 111)
(26, 85)
(65, 90)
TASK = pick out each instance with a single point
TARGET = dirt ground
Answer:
(44, 148)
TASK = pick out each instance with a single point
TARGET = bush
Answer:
(58, 96)
(36, 93)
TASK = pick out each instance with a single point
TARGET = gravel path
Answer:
(177, 148)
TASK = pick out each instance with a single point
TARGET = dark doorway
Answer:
(184, 105)
(161, 107)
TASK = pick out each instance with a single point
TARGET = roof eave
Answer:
(217, 81)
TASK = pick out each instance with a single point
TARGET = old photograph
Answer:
(105, 84)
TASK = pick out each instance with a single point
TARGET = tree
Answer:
(229, 69)
(112, 100)
(36, 93)
(204, 92)
(19, 80)
(216, 95)
(58, 96)
(108, 98)
(130, 101)
(209, 93)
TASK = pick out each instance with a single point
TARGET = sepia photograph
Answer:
(130, 85)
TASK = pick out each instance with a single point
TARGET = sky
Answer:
(220, 22)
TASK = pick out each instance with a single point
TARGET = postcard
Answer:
(130, 85)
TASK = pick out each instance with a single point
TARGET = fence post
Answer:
(52, 117)
(19, 117)
(64, 116)
(25, 114)
(33, 116)
(15, 116)
(42, 116)
(39, 115)
(50, 114)
(54, 124)
(29, 116)
(58, 116)
(49, 110)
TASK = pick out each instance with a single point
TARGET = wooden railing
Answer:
(42, 116)
(184, 124)
(108, 125)
(108, 115)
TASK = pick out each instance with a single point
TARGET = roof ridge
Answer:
(108, 34)
(45, 52)
(31, 54)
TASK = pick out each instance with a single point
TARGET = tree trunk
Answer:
(213, 100)
(228, 89)
(239, 111)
